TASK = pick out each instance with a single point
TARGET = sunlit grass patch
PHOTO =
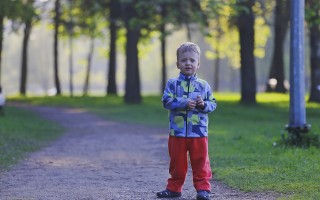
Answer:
(273, 98)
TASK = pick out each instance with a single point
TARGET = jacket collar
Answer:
(187, 78)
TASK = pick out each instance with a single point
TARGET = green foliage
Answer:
(312, 12)
(22, 132)
(151, 15)
(241, 141)
(224, 36)
(10, 9)
(222, 32)
(83, 17)
(25, 12)
(29, 11)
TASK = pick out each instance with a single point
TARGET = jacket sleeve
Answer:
(170, 100)
(210, 103)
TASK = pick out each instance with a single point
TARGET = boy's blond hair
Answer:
(188, 46)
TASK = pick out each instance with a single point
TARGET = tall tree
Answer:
(163, 14)
(142, 17)
(1, 40)
(245, 22)
(113, 27)
(138, 19)
(113, 13)
(70, 30)
(8, 9)
(132, 84)
(82, 18)
(24, 60)
(223, 37)
(67, 24)
(217, 63)
(313, 16)
(276, 74)
(57, 11)
(28, 17)
(89, 63)
(224, 33)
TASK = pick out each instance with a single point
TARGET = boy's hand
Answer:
(191, 104)
(200, 102)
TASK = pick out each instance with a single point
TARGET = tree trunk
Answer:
(112, 85)
(132, 85)
(24, 60)
(217, 61)
(216, 73)
(246, 31)
(55, 46)
(70, 26)
(315, 63)
(1, 40)
(132, 90)
(163, 57)
(71, 64)
(277, 64)
(188, 32)
(89, 59)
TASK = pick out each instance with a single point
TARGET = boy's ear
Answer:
(177, 64)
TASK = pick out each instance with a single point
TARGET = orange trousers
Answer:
(198, 152)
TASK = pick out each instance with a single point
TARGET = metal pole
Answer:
(297, 120)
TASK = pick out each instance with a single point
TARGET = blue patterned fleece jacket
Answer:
(183, 122)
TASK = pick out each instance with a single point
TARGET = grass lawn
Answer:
(241, 141)
(22, 132)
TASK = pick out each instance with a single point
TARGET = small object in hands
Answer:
(200, 103)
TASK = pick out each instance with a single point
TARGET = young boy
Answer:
(189, 100)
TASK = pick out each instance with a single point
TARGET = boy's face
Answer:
(188, 63)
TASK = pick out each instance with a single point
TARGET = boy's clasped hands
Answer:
(192, 104)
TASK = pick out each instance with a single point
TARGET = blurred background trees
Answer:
(276, 79)
(9, 10)
(243, 42)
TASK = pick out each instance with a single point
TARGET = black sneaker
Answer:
(203, 195)
(168, 194)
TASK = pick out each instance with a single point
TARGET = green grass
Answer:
(243, 155)
(22, 132)
(241, 140)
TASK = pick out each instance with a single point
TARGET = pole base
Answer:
(301, 129)
(300, 136)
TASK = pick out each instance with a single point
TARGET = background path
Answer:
(99, 159)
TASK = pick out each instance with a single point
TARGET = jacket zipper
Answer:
(187, 108)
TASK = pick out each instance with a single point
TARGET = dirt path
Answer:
(99, 159)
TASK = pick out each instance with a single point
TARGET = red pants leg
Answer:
(200, 163)
(178, 163)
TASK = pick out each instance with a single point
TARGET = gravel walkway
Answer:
(98, 159)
